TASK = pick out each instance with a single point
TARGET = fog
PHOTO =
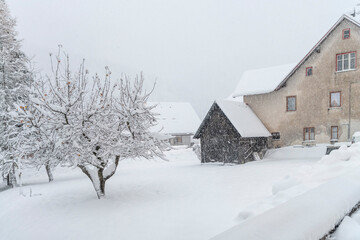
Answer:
(196, 50)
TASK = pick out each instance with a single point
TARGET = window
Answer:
(346, 61)
(275, 135)
(309, 71)
(178, 140)
(291, 103)
(334, 133)
(346, 33)
(309, 134)
(335, 99)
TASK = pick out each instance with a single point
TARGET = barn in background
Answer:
(177, 120)
(231, 133)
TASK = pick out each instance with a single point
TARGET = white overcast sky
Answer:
(196, 49)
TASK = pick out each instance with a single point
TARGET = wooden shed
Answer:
(231, 133)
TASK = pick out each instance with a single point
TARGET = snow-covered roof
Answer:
(263, 80)
(271, 79)
(175, 118)
(241, 117)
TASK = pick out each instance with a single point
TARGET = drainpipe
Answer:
(349, 111)
(349, 128)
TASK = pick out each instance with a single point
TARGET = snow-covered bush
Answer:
(91, 123)
(344, 153)
(197, 149)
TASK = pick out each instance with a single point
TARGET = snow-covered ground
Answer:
(155, 199)
(308, 212)
(349, 228)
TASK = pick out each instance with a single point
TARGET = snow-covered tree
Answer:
(36, 144)
(95, 123)
(15, 79)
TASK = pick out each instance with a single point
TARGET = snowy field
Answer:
(155, 199)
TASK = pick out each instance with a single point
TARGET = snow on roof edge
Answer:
(273, 76)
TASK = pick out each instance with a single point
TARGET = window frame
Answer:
(343, 33)
(275, 135)
(287, 103)
(330, 99)
(342, 60)
(306, 71)
(308, 134)
(337, 133)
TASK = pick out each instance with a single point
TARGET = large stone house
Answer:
(314, 101)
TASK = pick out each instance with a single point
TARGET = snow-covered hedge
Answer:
(348, 230)
(314, 213)
(308, 216)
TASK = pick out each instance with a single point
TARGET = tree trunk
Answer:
(8, 179)
(98, 182)
(100, 179)
(20, 184)
(11, 178)
(101, 183)
(49, 173)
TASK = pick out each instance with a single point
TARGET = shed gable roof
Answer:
(272, 79)
(241, 117)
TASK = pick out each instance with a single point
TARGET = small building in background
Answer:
(178, 120)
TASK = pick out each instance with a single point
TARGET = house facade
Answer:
(317, 100)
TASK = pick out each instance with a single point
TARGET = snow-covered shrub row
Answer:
(349, 229)
(327, 177)
(310, 215)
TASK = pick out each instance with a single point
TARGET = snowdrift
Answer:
(310, 215)
(296, 152)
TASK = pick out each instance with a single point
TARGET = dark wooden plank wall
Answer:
(221, 142)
